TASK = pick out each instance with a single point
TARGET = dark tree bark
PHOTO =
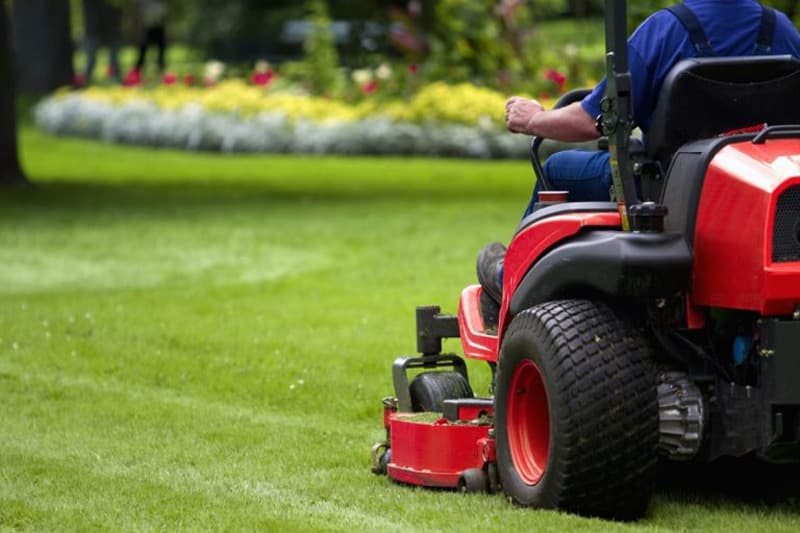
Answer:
(43, 43)
(579, 8)
(428, 16)
(10, 171)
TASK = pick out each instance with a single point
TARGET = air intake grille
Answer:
(786, 235)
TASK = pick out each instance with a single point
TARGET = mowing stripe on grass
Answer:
(295, 506)
(186, 458)
(107, 386)
(65, 264)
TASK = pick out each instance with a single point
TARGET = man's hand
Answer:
(519, 112)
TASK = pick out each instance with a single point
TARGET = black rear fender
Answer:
(612, 263)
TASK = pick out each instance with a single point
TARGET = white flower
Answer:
(213, 70)
(193, 127)
(384, 72)
(362, 76)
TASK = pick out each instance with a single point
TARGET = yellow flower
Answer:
(437, 102)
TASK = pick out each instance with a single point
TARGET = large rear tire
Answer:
(576, 411)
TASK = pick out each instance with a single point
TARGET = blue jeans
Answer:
(585, 174)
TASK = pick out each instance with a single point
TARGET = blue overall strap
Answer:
(766, 33)
(695, 30)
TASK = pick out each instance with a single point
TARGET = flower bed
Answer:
(443, 120)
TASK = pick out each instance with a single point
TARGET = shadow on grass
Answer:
(221, 195)
(746, 483)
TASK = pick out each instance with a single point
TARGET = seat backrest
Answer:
(701, 98)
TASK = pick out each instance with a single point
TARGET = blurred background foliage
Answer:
(508, 45)
(498, 43)
(256, 75)
(335, 48)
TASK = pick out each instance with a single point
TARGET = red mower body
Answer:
(678, 340)
(528, 245)
(736, 265)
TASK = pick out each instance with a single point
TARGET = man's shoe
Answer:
(490, 311)
(490, 259)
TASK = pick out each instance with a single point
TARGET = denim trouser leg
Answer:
(91, 45)
(585, 174)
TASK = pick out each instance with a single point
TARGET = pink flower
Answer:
(262, 79)
(169, 79)
(133, 78)
(557, 77)
(370, 87)
(189, 80)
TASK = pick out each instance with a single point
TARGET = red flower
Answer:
(370, 87)
(262, 79)
(412, 69)
(133, 78)
(169, 79)
(111, 72)
(79, 80)
(188, 80)
(557, 77)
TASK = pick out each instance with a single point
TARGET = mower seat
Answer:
(701, 99)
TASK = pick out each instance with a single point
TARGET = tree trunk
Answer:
(578, 8)
(428, 17)
(10, 171)
(43, 44)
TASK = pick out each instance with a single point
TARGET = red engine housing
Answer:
(733, 244)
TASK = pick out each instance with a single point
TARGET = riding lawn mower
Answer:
(663, 326)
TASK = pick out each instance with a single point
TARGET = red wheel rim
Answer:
(528, 422)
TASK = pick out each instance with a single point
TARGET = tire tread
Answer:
(601, 369)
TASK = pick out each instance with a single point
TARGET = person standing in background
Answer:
(152, 16)
(102, 21)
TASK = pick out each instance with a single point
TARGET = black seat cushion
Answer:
(701, 98)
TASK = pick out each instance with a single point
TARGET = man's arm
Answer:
(568, 124)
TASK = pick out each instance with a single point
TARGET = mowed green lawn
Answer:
(202, 342)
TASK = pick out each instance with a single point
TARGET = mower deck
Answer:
(446, 450)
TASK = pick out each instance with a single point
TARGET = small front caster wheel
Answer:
(381, 457)
(473, 480)
(386, 458)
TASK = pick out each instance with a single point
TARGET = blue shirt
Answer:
(731, 27)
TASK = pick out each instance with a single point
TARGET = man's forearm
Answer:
(568, 124)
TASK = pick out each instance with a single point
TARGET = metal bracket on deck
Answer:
(432, 327)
